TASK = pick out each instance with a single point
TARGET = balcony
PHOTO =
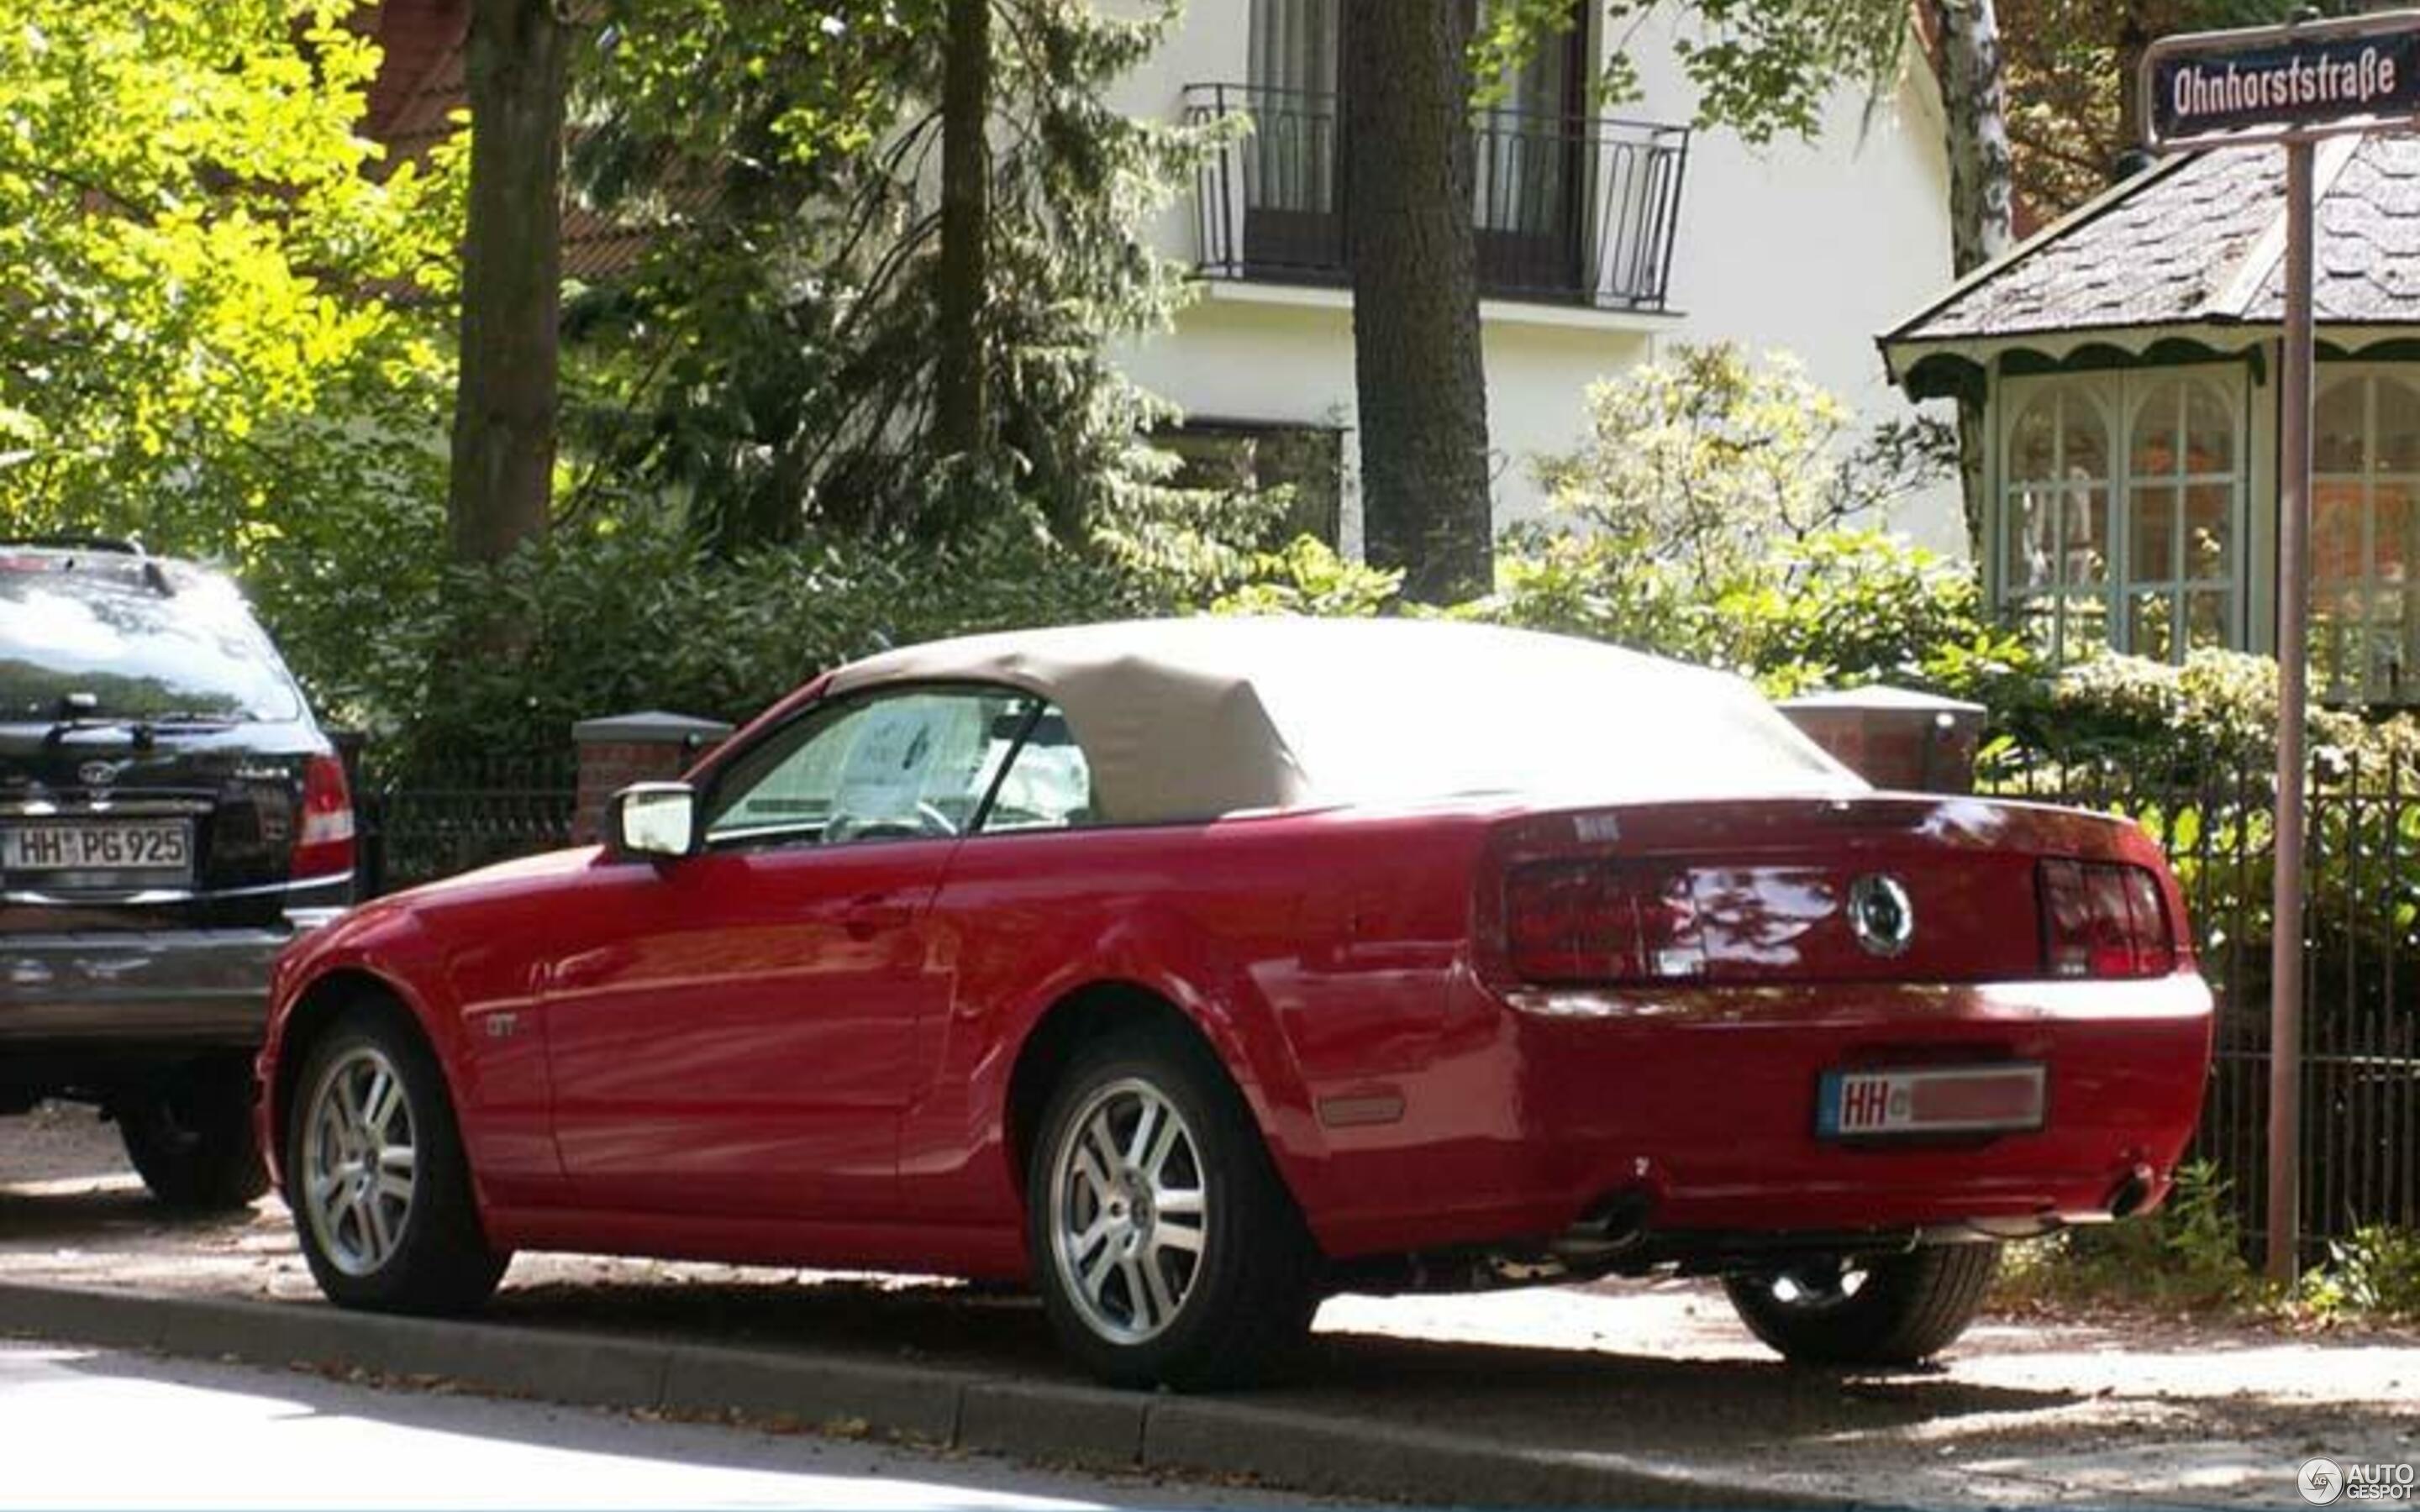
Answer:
(1570, 210)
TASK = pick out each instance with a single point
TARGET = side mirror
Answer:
(653, 819)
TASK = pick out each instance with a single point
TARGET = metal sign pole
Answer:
(2289, 85)
(2293, 663)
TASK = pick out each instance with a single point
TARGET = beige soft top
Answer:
(1193, 720)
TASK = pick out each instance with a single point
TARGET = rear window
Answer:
(106, 628)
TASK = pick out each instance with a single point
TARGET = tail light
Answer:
(2103, 918)
(1589, 921)
(325, 846)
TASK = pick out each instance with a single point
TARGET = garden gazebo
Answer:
(2127, 362)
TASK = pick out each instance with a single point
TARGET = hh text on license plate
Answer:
(124, 846)
(1856, 1105)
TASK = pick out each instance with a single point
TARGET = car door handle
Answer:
(869, 917)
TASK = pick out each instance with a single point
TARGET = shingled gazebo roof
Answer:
(2194, 249)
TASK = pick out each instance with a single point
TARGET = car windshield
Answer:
(108, 631)
(1558, 718)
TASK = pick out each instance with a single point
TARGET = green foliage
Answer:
(197, 265)
(1706, 460)
(2214, 716)
(1760, 66)
(2190, 1254)
(2374, 1274)
(1308, 577)
(773, 363)
(638, 617)
(1844, 609)
(1704, 518)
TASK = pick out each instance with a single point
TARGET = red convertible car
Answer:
(1192, 970)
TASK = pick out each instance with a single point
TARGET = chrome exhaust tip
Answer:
(2133, 1192)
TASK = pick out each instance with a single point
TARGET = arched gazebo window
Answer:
(2057, 517)
(2121, 498)
(2180, 567)
(2366, 479)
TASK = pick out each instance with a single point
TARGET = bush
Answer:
(1706, 462)
(607, 621)
(2188, 1254)
(2216, 716)
(2374, 1274)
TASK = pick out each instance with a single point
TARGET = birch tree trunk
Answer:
(1418, 372)
(1974, 97)
(505, 397)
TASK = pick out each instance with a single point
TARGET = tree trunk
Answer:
(1975, 94)
(505, 400)
(1419, 373)
(962, 400)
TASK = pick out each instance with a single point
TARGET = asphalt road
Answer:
(86, 1428)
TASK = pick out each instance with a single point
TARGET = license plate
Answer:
(151, 847)
(1996, 1098)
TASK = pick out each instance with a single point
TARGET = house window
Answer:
(1294, 143)
(2366, 478)
(1530, 159)
(1306, 460)
(2121, 504)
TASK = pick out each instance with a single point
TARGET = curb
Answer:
(962, 1409)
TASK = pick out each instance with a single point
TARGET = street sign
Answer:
(2271, 83)
(2289, 85)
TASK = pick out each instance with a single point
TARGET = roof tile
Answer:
(2177, 247)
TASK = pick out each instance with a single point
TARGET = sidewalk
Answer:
(1614, 1393)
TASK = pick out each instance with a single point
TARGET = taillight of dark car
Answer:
(325, 845)
(1589, 921)
(2103, 918)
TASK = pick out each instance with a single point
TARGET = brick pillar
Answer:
(1894, 738)
(623, 748)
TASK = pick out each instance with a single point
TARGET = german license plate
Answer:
(153, 847)
(1996, 1099)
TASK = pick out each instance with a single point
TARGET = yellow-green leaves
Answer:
(198, 248)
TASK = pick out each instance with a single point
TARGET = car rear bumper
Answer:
(1690, 1118)
(141, 988)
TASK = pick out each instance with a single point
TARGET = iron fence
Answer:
(1569, 208)
(420, 826)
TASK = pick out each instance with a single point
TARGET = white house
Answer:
(1602, 237)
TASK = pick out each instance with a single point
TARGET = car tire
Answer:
(192, 1138)
(1169, 1254)
(401, 1232)
(1895, 1310)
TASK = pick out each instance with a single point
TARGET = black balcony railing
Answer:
(1568, 209)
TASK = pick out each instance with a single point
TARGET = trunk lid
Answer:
(1881, 888)
(102, 829)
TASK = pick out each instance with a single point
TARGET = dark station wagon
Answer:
(170, 818)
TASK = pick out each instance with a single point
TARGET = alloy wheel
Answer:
(1129, 1211)
(359, 1161)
